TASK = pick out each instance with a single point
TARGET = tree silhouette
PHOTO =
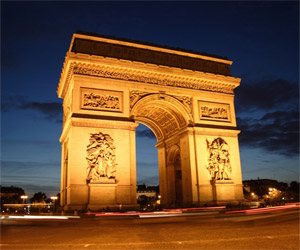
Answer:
(38, 197)
(11, 195)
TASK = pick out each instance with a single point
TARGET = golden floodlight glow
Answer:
(53, 197)
(24, 196)
(186, 99)
(252, 194)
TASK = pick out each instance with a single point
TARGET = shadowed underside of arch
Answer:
(163, 114)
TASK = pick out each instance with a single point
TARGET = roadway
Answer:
(204, 230)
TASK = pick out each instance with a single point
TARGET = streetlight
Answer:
(158, 199)
(24, 197)
(53, 198)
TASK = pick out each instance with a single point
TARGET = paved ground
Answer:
(276, 230)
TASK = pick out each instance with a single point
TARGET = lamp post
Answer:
(24, 197)
(53, 198)
(158, 201)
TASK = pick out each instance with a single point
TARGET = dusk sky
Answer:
(261, 38)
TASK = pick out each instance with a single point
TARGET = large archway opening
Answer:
(167, 118)
(146, 156)
(147, 176)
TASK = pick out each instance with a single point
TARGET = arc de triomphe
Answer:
(109, 86)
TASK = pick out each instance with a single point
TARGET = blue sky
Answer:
(261, 38)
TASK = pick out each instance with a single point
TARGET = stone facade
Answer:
(191, 113)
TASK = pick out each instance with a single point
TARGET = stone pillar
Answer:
(163, 181)
(211, 188)
(187, 156)
(102, 192)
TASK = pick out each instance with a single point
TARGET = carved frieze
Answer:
(97, 99)
(101, 158)
(214, 111)
(218, 165)
(145, 77)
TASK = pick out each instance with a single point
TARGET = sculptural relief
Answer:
(214, 111)
(135, 96)
(107, 97)
(101, 100)
(100, 157)
(186, 101)
(219, 166)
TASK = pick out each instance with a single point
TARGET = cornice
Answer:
(152, 74)
(148, 47)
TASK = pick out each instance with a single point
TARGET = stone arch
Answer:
(174, 176)
(172, 153)
(108, 86)
(163, 114)
(167, 117)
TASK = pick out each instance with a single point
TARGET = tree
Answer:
(293, 194)
(11, 195)
(38, 197)
(295, 186)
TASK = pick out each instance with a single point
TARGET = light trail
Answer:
(51, 217)
(265, 209)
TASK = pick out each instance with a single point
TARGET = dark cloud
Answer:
(266, 94)
(276, 132)
(51, 111)
(267, 115)
(147, 133)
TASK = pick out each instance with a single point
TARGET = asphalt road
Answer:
(278, 230)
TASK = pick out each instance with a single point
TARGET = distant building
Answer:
(261, 186)
(149, 191)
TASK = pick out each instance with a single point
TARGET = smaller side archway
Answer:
(174, 176)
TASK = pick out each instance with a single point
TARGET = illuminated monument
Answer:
(109, 86)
